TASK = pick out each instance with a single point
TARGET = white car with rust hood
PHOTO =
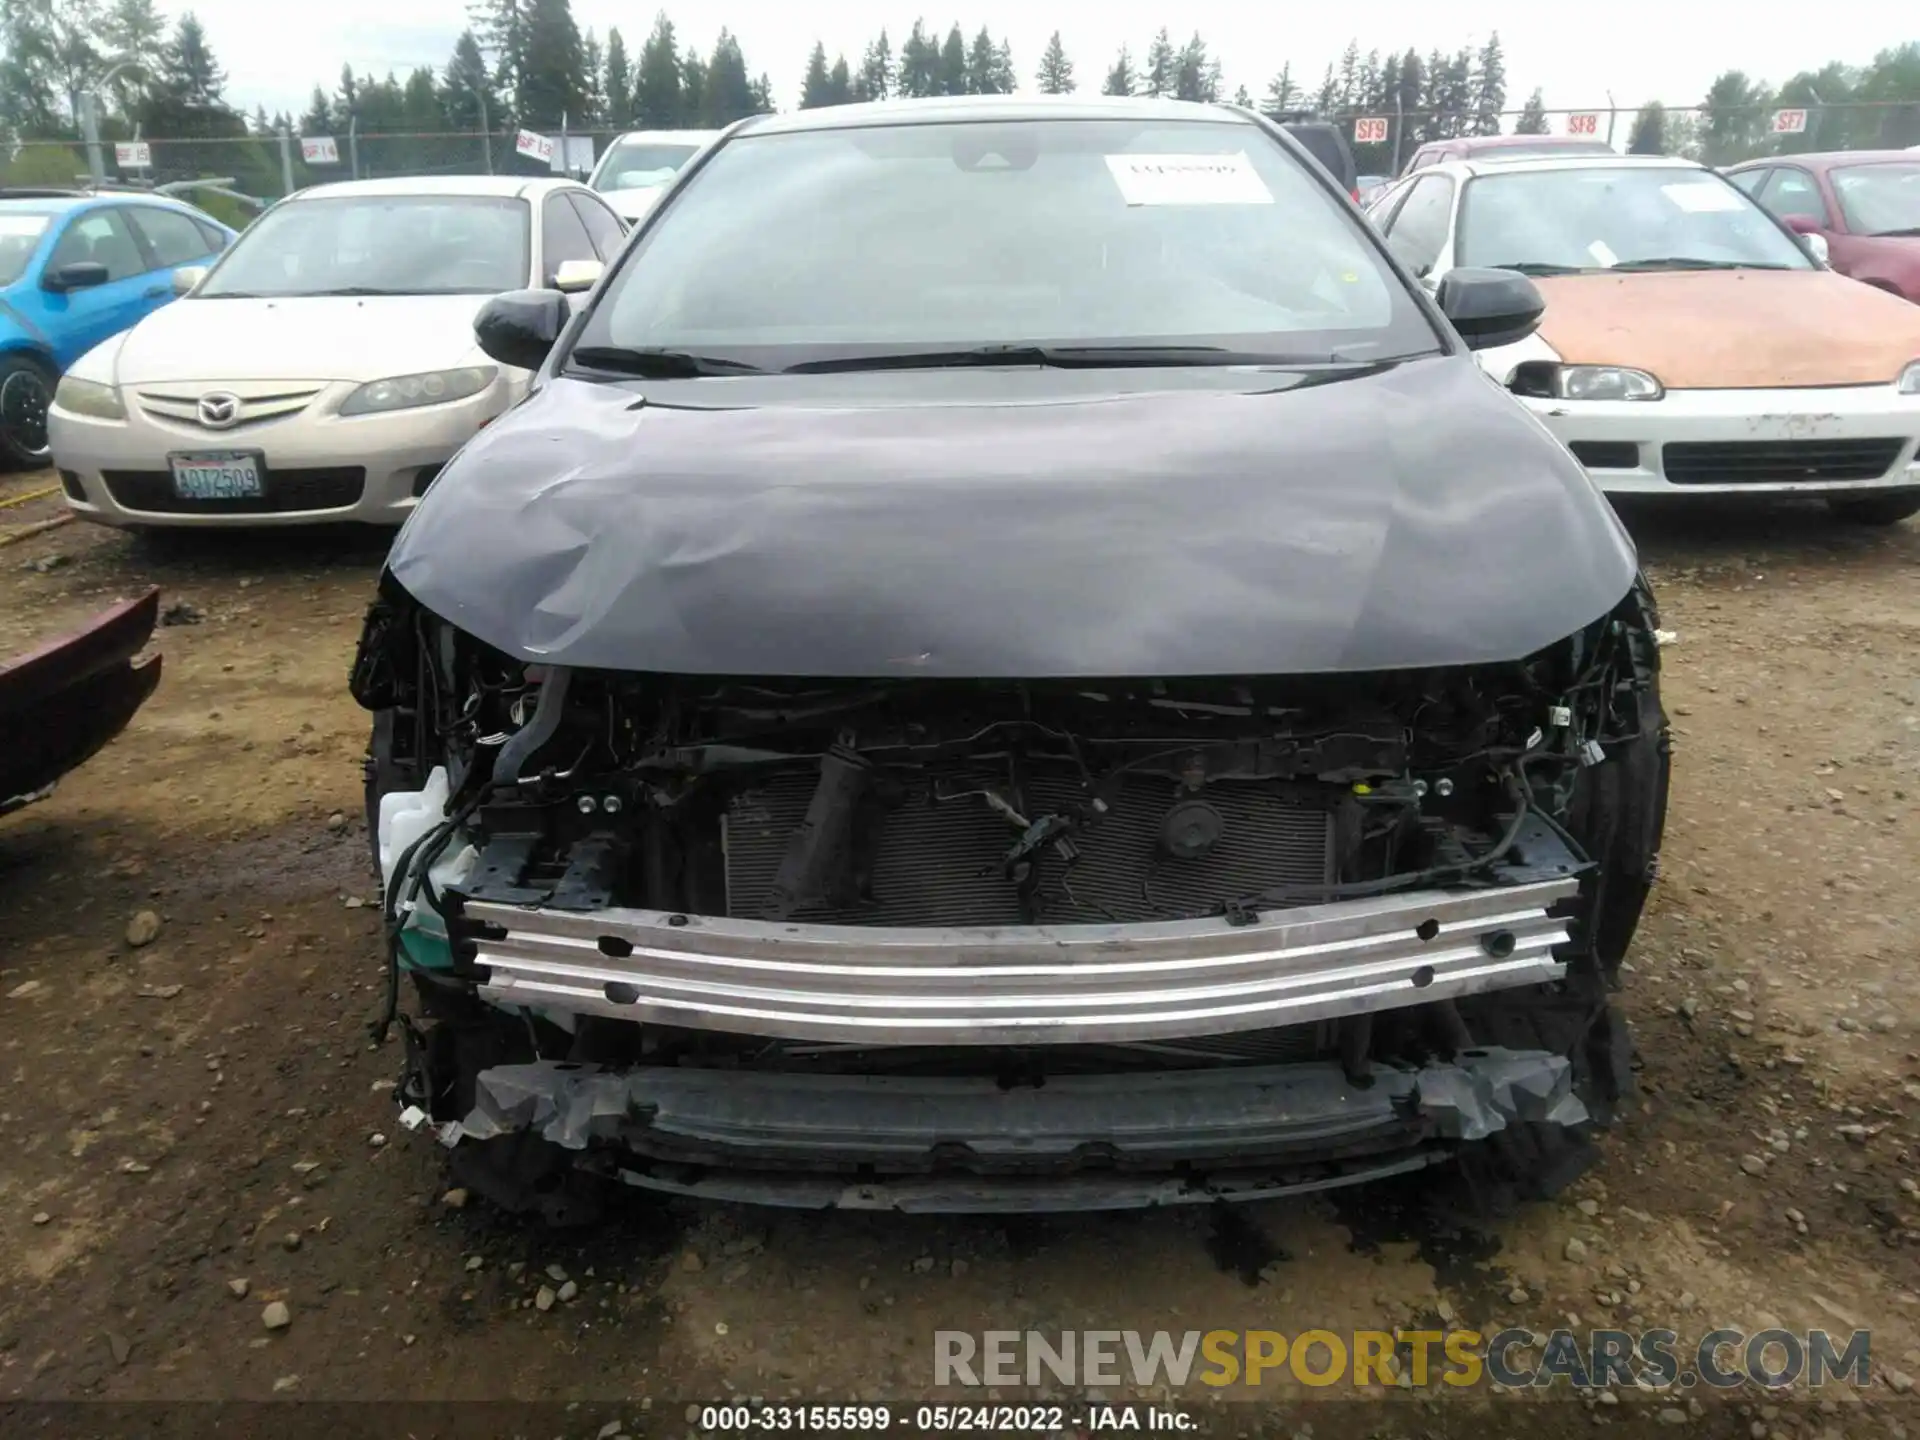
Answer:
(325, 368)
(1692, 343)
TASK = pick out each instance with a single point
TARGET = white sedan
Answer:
(325, 368)
(637, 167)
(1691, 343)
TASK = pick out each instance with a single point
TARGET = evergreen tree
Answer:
(1002, 76)
(980, 64)
(1348, 91)
(656, 82)
(953, 64)
(813, 86)
(729, 96)
(875, 80)
(1734, 118)
(1162, 67)
(1489, 87)
(840, 82)
(136, 30)
(466, 87)
(1055, 75)
(616, 83)
(187, 99)
(1282, 93)
(1196, 75)
(693, 87)
(1242, 98)
(1121, 79)
(319, 117)
(30, 104)
(593, 100)
(763, 95)
(346, 100)
(552, 81)
(1329, 97)
(1649, 135)
(919, 65)
(1533, 116)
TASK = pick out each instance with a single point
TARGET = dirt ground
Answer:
(181, 1116)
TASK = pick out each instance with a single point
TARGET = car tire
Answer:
(1889, 507)
(26, 390)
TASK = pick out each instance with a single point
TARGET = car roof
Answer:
(1516, 164)
(50, 202)
(939, 109)
(510, 186)
(694, 137)
(1829, 159)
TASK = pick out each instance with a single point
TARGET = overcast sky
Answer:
(1638, 49)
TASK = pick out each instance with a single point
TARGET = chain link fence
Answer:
(270, 166)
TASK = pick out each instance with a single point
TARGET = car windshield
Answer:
(1147, 233)
(379, 245)
(641, 164)
(1611, 217)
(1880, 199)
(20, 232)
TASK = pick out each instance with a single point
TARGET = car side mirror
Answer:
(1816, 248)
(1490, 307)
(80, 275)
(188, 276)
(574, 277)
(519, 327)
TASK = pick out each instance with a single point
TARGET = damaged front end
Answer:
(976, 945)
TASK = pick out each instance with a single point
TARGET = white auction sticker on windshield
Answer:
(1189, 180)
(1698, 198)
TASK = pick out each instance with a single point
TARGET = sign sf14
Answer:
(319, 150)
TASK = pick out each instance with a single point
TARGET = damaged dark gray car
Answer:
(1011, 660)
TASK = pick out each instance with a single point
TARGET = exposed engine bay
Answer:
(1006, 883)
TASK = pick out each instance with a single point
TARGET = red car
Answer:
(1864, 203)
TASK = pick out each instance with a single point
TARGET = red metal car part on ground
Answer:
(62, 703)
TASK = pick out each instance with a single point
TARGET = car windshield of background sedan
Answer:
(640, 165)
(19, 234)
(1181, 241)
(1618, 218)
(1880, 199)
(379, 245)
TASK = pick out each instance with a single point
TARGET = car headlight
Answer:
(1910, 379)
(1545, 381)
(89, 398)
(430, 387)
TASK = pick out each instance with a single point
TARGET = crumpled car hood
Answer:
(1018, 524)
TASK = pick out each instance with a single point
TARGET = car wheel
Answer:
(1888, 508)
(26, 389)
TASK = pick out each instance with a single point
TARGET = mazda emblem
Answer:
(219, 409)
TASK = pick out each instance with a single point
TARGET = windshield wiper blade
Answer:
(355, 290)
(1692, 262)
(1882, 234)
(1542, 267)
(653, 363)
(1062, 357)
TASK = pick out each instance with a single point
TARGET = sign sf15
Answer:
(133, 155)
(1370, 130)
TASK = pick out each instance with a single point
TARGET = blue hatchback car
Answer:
(74, 270)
